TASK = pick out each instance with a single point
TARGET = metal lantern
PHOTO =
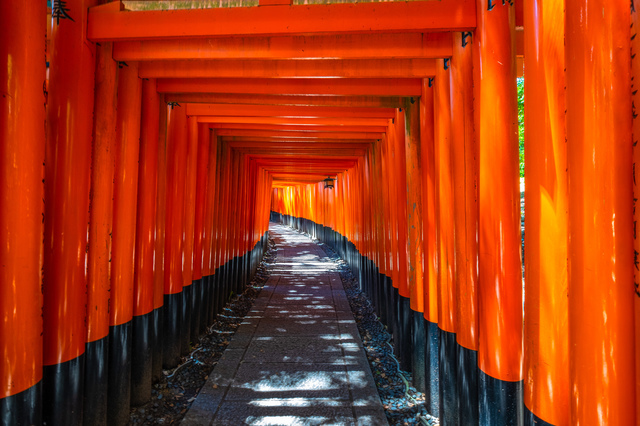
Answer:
(328, 183)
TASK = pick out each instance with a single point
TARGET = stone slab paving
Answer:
(297, 358)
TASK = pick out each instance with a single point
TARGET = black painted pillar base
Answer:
(217, 285)
(62, 390)
(531, 419)
(211, 307)
(382, 291)
(23, 408)
(141, 359)
(239, 275)
(467, 376)
(246, 270)
(229, 280)
(96, 382)
(361, 272)
(119, 391)
(171, 335)
(500, 402)
(372, 287)
(225, 288)
(418, 351)
(405, 323)
(211, 310)
(205, 303)
(449, 404)
(235, 276)
(185, 319)
(389, 306)
(379, 289)
(156, 342)
(241, 272)
(196, 303)
(221, 284)
(432, 367)
(371, 281)
(395, 319)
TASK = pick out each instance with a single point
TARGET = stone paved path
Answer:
(297, 359)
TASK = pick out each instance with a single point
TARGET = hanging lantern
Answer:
(328, 183)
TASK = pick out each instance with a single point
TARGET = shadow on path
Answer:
(297, 358)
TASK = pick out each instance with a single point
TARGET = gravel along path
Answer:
(403, 404)
(173, 395)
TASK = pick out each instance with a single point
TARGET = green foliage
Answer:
(521, 122)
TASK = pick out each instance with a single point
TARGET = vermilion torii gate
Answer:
(142, 152)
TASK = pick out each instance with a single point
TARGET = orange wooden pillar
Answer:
(157, 329)
(239, 222)
(259, 215)
(215, 224)
(235, 220)
(100, 230)
(255, 237)
(370, 228)
(22, 153)
(387, 221)
(601, 258)
(253, 233)
(445, 231)
(248, 230)
(67, 184)
(499, 242)
(219, 217)
(392, 295)
(635, 99)
(224, 229)
(176, 161)
(403, 305)
(143, 297)
(242, 224)
(546, 350)
(188, 295)
(125, 197)
(429, 206)
(371, 234)
(413, 156)
(465, 167)
(379, 199)
(200, 264)
(265, 213)
(368, 265)
(204, 214)
(223, 206)
(210, 226)
(230, 212)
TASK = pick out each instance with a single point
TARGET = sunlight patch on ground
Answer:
(297, 402)
(295, 381)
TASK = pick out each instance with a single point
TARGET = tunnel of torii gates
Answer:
(143, 153)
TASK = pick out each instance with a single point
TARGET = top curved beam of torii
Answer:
(110, 22)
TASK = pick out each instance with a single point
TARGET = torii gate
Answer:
(139, 195)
